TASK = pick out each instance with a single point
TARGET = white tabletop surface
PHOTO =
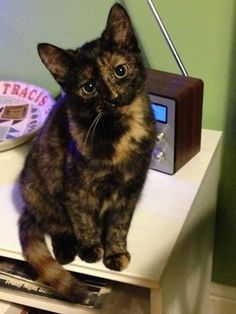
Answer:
(157, 222)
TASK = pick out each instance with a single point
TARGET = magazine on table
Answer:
(16, 275)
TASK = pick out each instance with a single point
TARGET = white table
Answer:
(170, 238)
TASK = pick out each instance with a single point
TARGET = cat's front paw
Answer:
(117, 261)
(64, 249)
(91, 254)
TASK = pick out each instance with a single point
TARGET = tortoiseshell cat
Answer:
(85, 172)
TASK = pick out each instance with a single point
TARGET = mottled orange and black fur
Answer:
(85, 172)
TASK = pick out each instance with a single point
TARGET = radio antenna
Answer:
(167, 38)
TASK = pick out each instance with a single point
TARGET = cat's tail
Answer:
(52, 273)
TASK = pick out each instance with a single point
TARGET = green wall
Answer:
(204, 35)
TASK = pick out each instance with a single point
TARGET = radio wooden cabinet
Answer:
(171, 235)
(177, 104)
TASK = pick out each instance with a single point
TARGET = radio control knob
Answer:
(160, 156)
(160, 137)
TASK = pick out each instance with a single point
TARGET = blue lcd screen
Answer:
(160, 112)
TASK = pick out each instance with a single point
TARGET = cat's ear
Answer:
(119, 28)
(56, 60)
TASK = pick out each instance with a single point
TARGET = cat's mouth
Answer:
(115, 108)
(119, 109)
(116, 111)
(121, 101)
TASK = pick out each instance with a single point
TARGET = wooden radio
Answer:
(177, 104)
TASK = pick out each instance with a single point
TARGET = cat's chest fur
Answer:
(104, 181)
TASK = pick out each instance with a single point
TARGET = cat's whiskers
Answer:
(92, 127)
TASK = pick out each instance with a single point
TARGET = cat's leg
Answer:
(117, 222)
(87, 230)
(82, 208)
(89, 238)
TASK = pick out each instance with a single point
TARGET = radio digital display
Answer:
(160, 112)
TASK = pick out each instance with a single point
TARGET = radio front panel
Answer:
(163, 154)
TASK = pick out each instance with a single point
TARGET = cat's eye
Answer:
(121, 70)
(89, 88)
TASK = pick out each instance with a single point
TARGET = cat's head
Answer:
(104, 74)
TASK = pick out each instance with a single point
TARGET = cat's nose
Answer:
(112, 103)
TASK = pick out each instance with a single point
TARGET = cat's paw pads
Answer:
(91, 254)
(65, 255)
(117, 261)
